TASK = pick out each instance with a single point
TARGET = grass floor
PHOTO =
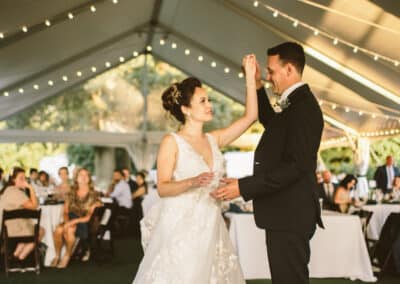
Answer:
(121, 269)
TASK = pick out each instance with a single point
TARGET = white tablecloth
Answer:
(378, 218)
(337, 251)
(52, 215)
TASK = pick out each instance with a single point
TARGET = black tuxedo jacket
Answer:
(284, 186)
(381, 177)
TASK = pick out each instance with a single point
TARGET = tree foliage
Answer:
(112, 101)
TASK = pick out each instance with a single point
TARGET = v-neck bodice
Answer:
(191, 163)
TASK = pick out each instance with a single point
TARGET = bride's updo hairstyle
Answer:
(180, 94)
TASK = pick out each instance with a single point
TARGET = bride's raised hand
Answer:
(250, 67)
(202, 179)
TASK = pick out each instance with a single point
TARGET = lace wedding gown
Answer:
(184, 237)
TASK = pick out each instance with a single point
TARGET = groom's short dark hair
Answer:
(289, 52)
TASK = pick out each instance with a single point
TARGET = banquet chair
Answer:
(9, 242)
(101, 233)
(381, 252)
(365, 217)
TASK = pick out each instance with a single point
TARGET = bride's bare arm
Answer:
(226, 135)
(166, 161)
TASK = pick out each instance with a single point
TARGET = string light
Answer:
(21, 90)
(334, 38)
(360, 112)
(241, 75)
(70, 15)
(36, 87)
(162, 41)
(121, 59)
(173, 45)
(149, 48)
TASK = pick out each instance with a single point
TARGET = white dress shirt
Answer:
(290, 90)
(122, 193)
(390, 176)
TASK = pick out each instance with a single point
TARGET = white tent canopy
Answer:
(359, 91)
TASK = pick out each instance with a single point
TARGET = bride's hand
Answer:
(203, 179)
(251, 68)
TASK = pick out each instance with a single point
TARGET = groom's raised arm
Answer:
(265, 110)
(300, 159)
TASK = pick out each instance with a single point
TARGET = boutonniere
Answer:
(280, 106)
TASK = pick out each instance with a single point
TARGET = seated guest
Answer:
(120, 190)
(326, 190)
(342, 196)
(43, 179)
(64, 187)
(13, 197)
(1, 178)
(43, 186)
(33, 176)
(79, 205)
(137, 197)
(395, 195)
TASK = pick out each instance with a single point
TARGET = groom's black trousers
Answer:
(288, 256)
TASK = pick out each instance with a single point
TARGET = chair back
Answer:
(20, 214)
(388, 235)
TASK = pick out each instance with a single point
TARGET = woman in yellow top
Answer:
(12, 197)
(79, 205)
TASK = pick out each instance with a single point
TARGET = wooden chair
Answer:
(381, 253)
(7, 240)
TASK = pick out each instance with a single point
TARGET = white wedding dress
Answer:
(184, 237)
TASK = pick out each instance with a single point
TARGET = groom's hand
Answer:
(228, 191)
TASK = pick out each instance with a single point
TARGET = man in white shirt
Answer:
(385, 175)
(326, 190)
(120, 190)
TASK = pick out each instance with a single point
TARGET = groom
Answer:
(283, 186)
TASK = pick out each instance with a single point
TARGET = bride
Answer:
(184, 236)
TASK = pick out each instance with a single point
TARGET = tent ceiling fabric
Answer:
(219, 30)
